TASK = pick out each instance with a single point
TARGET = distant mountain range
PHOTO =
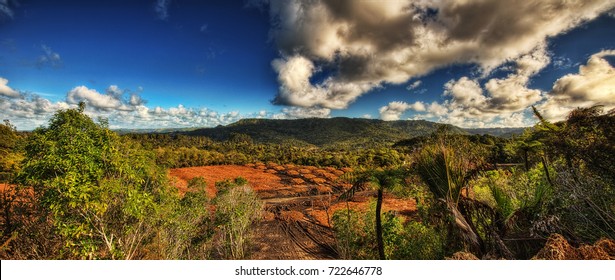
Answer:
(354, 132)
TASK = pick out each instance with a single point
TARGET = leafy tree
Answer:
(99, 191)
(583, 149)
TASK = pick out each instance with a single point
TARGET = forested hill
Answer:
(323, 132)
(505, 132)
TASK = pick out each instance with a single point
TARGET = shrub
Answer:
(237, 209)
(356, 238)
(185, 228)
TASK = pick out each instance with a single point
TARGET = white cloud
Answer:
(370, 44)
(113, 98)
(126, 109)
(562, 62)
(7, 91)
(395, 109)
(593, 85)
(465, 92)
(498, 102)
(29, 111)
(93, 98)
(136, 100)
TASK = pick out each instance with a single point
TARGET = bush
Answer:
(418, 242)
(237, 209)
(185, 225)
(584, 205)
(356, 238)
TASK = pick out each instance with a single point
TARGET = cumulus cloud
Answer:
(92, 98)
(124, 108)
(371, 44)
(162, 9)
(511, 94)
(395, 109)
(594, 84)
(294, 75)
(7, 91)
(49, 58)
(29, 110)
(495, 102)
(114, 98)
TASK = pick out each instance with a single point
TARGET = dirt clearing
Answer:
(299, 203)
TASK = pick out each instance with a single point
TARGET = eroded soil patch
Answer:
(299, 204)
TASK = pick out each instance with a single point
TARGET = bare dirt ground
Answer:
(299, 203)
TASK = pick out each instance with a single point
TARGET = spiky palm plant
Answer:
(447, 170)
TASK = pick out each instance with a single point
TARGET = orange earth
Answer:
(299, 204)
(305, 189)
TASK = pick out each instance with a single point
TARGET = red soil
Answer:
(265, 180)
(402, 206)
(258, 179)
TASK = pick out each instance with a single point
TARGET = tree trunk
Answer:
(468, 232)
(379, 225)
(546, 169)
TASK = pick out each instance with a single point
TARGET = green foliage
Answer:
(10, 156)
(508, 191)
(380, 179)
(447, 166)
(356, 237)
(176, 151)
(585, 206)
(581, 150)
(350, 240)
(185, 225)
(99, 190)
(417, 241)
(237, 209)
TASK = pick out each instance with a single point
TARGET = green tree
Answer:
(99, 191)
(583, 149)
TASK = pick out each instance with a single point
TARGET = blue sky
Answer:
(188, 63)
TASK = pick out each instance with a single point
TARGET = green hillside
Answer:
(323, 132)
